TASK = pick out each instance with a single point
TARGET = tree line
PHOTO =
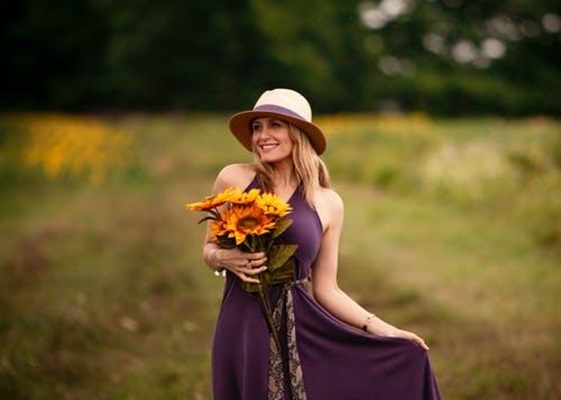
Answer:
(446, 57)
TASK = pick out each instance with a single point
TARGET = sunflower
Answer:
(204, 205)
(273, 205)
(243, 198)
(211, 202)
(217, 229)
(243, 221)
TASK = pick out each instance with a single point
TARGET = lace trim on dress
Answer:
(276, 367)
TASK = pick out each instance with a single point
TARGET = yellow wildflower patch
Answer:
(68, 146)
(412, 123)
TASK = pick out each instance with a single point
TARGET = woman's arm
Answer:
(243, 265)
(324, 277)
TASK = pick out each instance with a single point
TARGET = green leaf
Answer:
(226, 242)
(282, 225)
(283, 274)
(250, 287)
(209, 217)
(214, 214)
(279, 255)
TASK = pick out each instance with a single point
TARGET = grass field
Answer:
(453, 230)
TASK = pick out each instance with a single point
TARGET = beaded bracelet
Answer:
(368, 321)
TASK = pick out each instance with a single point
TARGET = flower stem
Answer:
(267, 312)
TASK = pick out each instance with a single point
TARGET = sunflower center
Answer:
(248, 223)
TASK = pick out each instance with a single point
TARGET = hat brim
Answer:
(240, 126)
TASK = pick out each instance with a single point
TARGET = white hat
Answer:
(286, 104)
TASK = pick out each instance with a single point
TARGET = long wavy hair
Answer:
(311, 171)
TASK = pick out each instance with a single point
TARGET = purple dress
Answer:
(328, 360)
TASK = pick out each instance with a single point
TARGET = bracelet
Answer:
(368, 321)
(220, 269)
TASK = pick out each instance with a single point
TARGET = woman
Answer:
(332, 348)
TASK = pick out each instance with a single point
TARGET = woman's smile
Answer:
(268, 147)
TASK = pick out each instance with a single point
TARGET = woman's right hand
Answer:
(244, 265)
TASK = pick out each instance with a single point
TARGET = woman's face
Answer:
(271, 138)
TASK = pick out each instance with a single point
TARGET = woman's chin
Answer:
(273, 158)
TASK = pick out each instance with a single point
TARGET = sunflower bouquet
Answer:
(252, 221)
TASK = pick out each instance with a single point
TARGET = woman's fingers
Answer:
(252, 271)
(414, 338)
(418, 340)
(247, 279)
(246, 275)
(255, 262)
(254, 256)
(245, 265)
(421, 343)
(248, 271)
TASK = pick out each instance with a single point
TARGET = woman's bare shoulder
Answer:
(329, 207)
(330, 198)
(235, 176)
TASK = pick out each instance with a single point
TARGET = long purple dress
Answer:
(330, 360)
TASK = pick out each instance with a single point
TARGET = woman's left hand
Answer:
(400, 333)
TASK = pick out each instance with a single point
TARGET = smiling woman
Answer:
(320, 347)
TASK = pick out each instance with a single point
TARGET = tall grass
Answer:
(451, 230)
(506, 168)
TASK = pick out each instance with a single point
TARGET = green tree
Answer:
(438, 56)
(52, 53)
(457, 56)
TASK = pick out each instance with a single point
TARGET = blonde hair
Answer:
(311, 172)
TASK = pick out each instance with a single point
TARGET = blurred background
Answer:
(444, 141)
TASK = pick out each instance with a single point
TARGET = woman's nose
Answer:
(264, 132)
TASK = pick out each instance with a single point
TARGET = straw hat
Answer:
(288, 105)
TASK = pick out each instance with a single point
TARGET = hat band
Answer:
(278, 109)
